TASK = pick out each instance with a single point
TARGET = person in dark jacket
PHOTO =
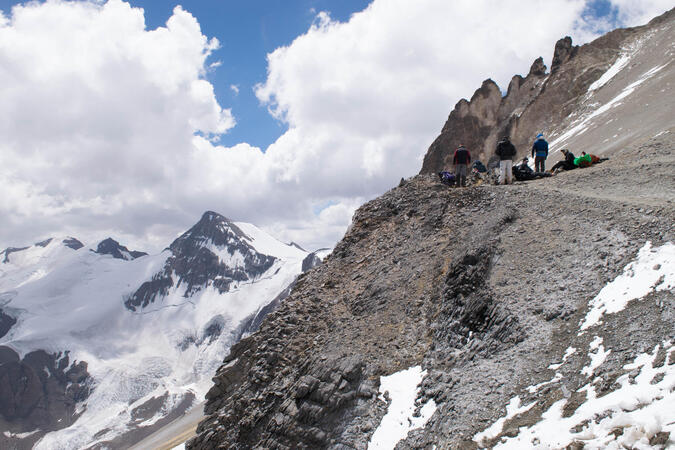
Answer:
(506, 151)
(523, 172)
(461, 160)
(539, 153)
(567, 163)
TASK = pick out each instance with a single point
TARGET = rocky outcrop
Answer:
(532, 105)
(111, 247)
(73, 243)
(310, 262)
(9, 250)
(214, 252)
(40, 391)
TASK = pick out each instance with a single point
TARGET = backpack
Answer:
(447, 178)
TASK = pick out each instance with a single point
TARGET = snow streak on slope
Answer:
(581, 125)
(167, 353)
(611, 72)
(654, 270)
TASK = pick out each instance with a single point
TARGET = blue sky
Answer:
(113, 110)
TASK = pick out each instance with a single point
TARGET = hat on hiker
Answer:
(540, 136)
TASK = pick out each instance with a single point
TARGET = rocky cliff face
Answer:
(39, 391)
(539, 103)
(499, 293)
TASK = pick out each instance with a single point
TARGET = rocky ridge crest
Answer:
(539, 103)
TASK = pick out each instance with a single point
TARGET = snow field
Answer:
(403, 389)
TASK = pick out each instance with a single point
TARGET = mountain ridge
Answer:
(498, 295)
(85, 359)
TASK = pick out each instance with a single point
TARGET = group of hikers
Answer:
(507, 171)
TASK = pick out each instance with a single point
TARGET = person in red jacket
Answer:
(461, 160)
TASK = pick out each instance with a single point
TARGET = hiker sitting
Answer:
(593, 158)
(478, 166)
(583, 161)
(461, 160)
(523, 172)
(565, 164)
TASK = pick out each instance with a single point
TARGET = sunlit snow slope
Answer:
(145, 362)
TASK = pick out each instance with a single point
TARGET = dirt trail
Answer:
(174, 433)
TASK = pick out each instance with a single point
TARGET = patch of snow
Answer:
(179, 447)
(402, 388)
(321, 254)
(611, 72)
(268, 245)
(532, 389)
(569, 352)
(512, 410)
(638, 409)
(20, 435)
(652, 271)
(597, 354)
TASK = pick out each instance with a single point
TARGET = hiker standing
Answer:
(506, 151)
(539, 153)
(461, 160)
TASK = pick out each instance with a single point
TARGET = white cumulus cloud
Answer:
(111, 128)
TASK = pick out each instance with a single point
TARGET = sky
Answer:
(130, 119)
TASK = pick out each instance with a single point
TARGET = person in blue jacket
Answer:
(539, 153)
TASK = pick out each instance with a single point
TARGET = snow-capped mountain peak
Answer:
(144, 335)
(215, 253)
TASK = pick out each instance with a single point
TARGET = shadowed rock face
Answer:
(40, 390)
(194, 266)
(112, 247)
(6, 322)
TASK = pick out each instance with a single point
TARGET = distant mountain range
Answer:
(99, 346)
